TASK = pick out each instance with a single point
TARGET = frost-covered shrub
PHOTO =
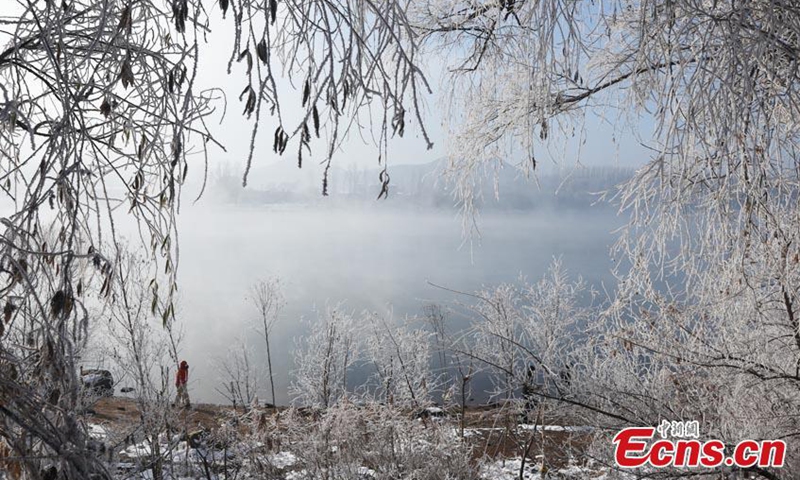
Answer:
(324, 358)
(344, 442)
(377, 441)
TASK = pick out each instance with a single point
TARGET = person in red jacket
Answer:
(181, 378)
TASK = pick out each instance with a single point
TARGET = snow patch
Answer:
(97, 432)
(557, 428)
(283, 460)
(508, 469)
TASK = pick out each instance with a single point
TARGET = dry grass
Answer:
(490, 430)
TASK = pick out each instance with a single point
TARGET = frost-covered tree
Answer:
(401, 359)
(528, 338)
(267, 298)
(708, 265)
(525, 332)
(145, 354)
(40, 344)
(238, 376)
(323, 359)
(456, 361)
(102, 116)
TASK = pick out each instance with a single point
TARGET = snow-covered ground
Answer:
(557, 428)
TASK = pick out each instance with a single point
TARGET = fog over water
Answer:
(375, 256)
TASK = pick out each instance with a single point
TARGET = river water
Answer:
(370, 257)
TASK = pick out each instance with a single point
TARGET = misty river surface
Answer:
(371, 258)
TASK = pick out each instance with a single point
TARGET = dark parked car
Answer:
(432, 413)
(97, 382)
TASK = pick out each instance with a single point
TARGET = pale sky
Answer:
(601, 146)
